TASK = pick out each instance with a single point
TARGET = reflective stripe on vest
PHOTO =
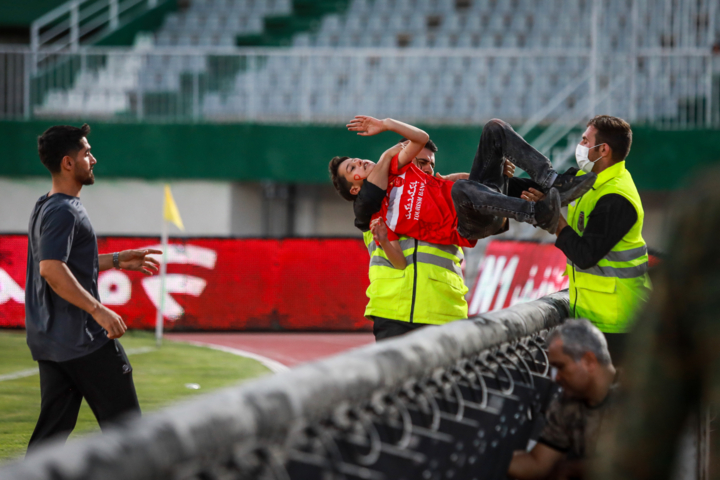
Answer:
(422, 257)
(451, 249)
(404, 245)
(410, 243)
(618, 272)
(627, 255)
(614, 272)
(430, 290)
(609, 293)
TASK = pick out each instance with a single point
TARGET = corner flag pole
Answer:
(170, 214)
(163, 274)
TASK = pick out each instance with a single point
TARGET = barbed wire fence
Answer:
(443, 402)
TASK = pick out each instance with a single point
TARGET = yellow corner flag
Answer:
(170, 210)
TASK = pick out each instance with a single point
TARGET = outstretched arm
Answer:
(368, 126)
(137, 260)
(379, 175)
(391, 247)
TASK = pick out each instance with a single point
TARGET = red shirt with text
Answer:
(420, 206)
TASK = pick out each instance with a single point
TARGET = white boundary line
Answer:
(139, 350)
(19, 374)
(273, 365)
(34, 371)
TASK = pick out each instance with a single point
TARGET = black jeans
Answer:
(103, 378)
(482, 202)
(387, 328)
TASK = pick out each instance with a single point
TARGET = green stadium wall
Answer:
(659, 160)
(21, 13)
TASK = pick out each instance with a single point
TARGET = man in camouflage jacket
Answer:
(578, 351)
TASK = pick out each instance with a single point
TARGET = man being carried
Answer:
(400, 301)
(455, 213)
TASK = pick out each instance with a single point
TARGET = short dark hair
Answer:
(430, 145)
(59, 141)
(615, 132)
(339, 182)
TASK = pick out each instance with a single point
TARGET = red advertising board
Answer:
(516, 272)
(295, 284)
(222, 284)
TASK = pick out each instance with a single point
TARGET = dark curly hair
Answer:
(59, 141)
(339, 182)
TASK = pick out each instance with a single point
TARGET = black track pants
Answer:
(103, 378)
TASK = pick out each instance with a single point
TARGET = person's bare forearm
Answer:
(418, 138)
(63, 282)
(394, 253)
(535, 464)
(412, 133)
(562, 223)
(454, 177)
(105, 261)
(524, 467)
(379, 174)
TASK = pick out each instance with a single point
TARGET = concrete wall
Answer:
(215, 208)
(208, 208)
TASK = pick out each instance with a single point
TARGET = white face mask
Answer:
(581, 155)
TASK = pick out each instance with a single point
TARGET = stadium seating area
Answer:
(439, 85)
(217, 22)
(441, 24)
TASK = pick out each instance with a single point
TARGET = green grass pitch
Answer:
(160, 378)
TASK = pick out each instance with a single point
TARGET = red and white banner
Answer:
(516, 272)
(296, 284)
(221, 284)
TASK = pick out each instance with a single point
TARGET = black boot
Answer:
(571, 187)
(547, 211)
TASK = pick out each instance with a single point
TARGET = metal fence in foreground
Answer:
(445, 402)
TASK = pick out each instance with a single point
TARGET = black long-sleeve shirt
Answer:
(611, 219)
(368, 203)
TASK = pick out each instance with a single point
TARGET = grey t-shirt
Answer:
(56, 329)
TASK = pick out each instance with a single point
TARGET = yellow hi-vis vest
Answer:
(430, 290)
(608, 293)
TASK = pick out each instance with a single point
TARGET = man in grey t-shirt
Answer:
(70, 333)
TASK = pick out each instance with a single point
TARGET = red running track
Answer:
(289, 349)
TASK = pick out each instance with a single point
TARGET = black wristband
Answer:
(116, 260)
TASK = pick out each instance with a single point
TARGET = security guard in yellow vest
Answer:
(430, 290)
(607, 258)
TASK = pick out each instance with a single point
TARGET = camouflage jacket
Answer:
(573, 426)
